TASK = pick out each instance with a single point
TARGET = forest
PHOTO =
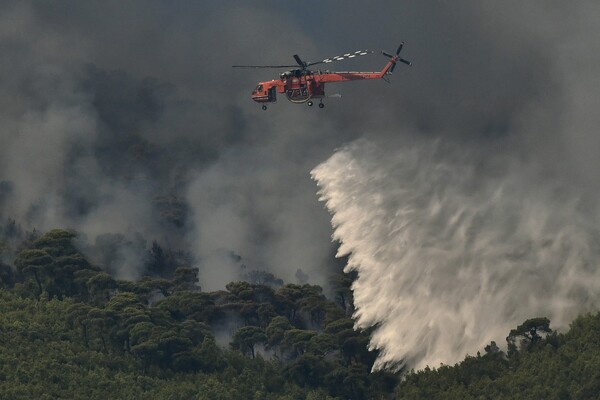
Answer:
(70, 330)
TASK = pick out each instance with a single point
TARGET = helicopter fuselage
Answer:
(300, 86)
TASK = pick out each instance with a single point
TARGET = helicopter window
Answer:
(259, 88)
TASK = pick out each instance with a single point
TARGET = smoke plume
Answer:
(127, 124)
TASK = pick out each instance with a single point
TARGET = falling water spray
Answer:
(453, 250)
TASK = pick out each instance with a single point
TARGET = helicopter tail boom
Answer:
(387, 69)
(339, 76)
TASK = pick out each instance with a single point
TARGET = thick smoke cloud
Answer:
(126, 123)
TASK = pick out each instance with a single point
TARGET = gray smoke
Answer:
(127, 124)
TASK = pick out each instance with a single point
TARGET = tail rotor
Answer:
(396, 58)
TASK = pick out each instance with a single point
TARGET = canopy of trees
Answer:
(69, 330)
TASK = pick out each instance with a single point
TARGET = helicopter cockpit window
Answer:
(259, 88)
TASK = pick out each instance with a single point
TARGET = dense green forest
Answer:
(69, 330)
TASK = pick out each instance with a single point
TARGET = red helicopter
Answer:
(301, 85)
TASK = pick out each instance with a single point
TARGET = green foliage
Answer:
(68, 329)
(52, 265)
(527, 335)
(44, 356)
(76, 332)
(297, 340)
(188, 305)
(558, 366)
(247, 337)
(276, 329)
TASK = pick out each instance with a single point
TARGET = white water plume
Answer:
(453, 250)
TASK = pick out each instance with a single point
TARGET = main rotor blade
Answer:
(299, 61)
(305, 64)
(264, 66)
(399, 48)
(342, 57)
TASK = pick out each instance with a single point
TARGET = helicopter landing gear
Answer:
(321, 105)
(264, 107)
(309, 103)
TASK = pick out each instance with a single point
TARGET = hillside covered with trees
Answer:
(69, 330)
